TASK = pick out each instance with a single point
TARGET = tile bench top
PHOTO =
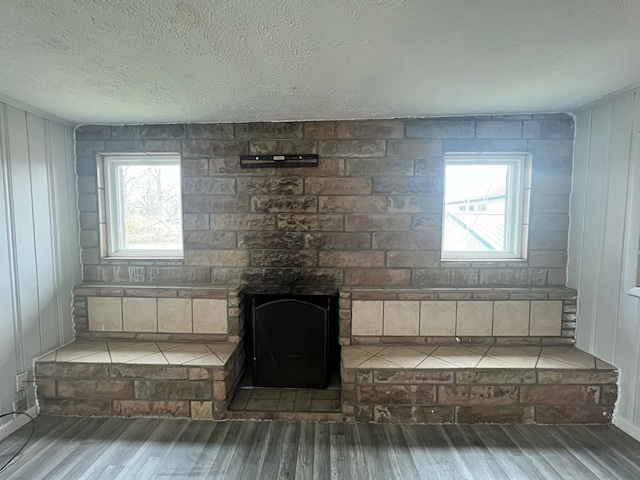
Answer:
(425, 357)
(144, 353)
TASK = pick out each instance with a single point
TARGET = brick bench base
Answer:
(138, 379)
(476, 384)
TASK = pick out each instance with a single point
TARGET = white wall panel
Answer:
(42, 232)
(64, 216)
(26, 281)
(39, 253)
(614, 198)
(9, 339)
(604, 240)
(578, 198)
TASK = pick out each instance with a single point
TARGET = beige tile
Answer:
(437, 363)
(222, 350)
(80, 349)
(85, 345)
(459, 356)
(207, 360)
(366, 318)
(477, 349)
(544, 362)
(123, 353)
(437, 318)
(425, 349)
(47, 357)
(378, 363)
(474, 318)
(116, 344)
(502, 363)
(210, 316)
(353, 356)
(602, 365)
(510, 318)
(401, 318)
(565, 357)
(405, 357)
(101, 357)
(372, 349)
(510, 357)
(153, 359)
(164, 346)
(546, 318)
(139, 314)
(174, 315)
(186, 353)
(516, 350)
(105, 314)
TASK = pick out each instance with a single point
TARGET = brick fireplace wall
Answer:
(368, 216)
(365, 224)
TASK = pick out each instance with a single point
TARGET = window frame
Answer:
(516, 199)
(115, 232)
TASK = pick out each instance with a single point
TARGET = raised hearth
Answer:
(124, 379)
(476, 384)
(393, 384)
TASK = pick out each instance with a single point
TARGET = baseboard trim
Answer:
(17, 422)
(627, 427)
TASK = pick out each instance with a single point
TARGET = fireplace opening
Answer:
(291, 341)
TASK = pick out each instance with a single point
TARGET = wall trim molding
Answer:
(627, 427)
(606, 99)
(35, 110)
(17, 422)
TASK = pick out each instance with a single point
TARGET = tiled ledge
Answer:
(387, 316)
(142, 290)
(465, 293)
(115, 378)
(476, 384)
(158, 312)
(426, 357)
(143, 353)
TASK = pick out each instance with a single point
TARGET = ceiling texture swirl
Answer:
(122, 61)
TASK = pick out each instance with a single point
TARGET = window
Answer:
(484, 214)
(143, 207)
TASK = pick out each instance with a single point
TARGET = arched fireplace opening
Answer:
(291, 341)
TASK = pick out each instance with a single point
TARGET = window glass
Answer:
(144, 206)
(483, 205)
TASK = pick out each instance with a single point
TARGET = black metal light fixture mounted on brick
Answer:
(269, 161)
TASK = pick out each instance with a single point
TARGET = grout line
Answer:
(165, 357)
(109, 351)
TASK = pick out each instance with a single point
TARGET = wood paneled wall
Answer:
(604, 239)
(39, 253)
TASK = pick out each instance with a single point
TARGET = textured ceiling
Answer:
(255, 60)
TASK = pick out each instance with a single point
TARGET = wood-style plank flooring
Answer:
(117, 448)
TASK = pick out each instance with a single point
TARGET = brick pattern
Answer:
(368, 215)
(307, 405)
(130, 390)
(477, 396)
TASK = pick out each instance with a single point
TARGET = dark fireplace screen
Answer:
(290, 344)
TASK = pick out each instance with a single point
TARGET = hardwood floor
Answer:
(118, 448)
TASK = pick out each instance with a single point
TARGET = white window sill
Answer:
(140, 257)
(482, 259)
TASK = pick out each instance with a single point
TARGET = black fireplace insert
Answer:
(290, 342)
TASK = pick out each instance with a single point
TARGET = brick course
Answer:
(135, 390)
(478, 395)
(380, 179)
